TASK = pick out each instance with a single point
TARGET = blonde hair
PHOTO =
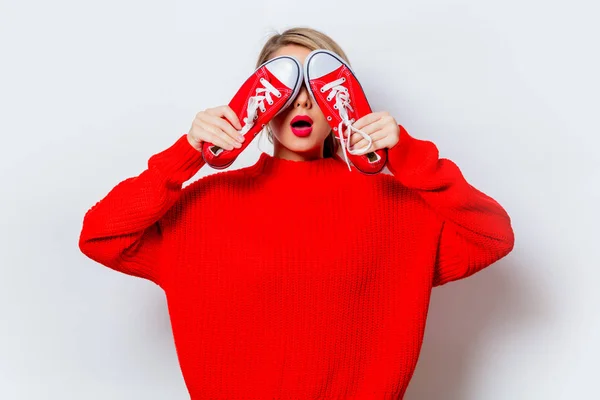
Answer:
(312, 40)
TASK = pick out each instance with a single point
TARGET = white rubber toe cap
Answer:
(286, 69)
(320, 63)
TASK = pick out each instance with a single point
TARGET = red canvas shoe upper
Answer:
(333, 85)
(268, 91)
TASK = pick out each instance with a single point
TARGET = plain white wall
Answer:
(507, 89)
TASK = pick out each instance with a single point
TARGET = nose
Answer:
(303, 98)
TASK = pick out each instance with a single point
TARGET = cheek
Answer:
(277, 121)
(324, 128)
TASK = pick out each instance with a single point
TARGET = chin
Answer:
(301, 148)
(302, 144)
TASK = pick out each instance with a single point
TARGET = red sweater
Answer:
(298, 279)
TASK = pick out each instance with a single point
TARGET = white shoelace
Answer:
(257, 101)
(342, 103)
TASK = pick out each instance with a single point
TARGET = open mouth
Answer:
(301, 121)
(301, 124)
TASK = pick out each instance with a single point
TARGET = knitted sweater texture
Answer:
(298, 279)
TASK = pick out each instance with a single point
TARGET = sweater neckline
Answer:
(268, 164)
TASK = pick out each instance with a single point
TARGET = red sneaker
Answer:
(280, 77)
(333, 86)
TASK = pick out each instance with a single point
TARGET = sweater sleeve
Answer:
(122, 231)
(476, 230)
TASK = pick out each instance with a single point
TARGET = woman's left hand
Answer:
(381, 127)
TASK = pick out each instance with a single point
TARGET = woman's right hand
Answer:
(210, 126)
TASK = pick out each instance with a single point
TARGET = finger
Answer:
(219, 138)
(378, 143)
(232, 117)
(222, 111)
(225, 126)
(372, 127)
(223, 141)
(215, 140)
(375, 135)
(368, 119)
(361, 148)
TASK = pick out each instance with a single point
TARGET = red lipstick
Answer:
(301, 125)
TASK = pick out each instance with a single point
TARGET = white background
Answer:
(509, 90)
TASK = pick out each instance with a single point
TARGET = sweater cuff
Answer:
(178, 163)
(412, 159)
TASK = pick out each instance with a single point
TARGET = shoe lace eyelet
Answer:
(328, 118)
(322, 91)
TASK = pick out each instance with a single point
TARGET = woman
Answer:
(294, 277)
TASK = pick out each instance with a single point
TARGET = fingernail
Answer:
(241, 138)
